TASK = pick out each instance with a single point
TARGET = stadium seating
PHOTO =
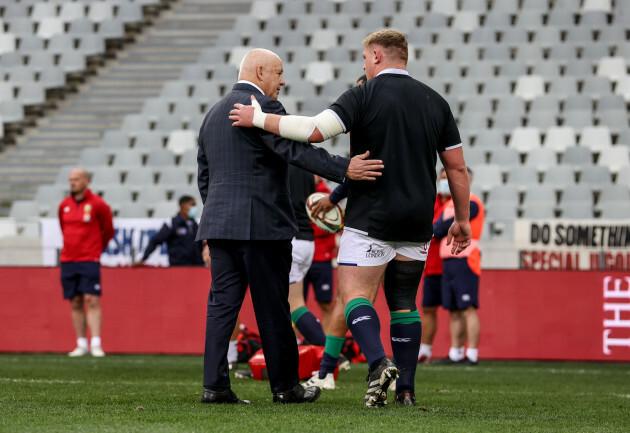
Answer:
(541, 87)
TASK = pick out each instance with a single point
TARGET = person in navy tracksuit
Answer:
(179, 233)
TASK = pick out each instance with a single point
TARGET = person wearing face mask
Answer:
(460, 283)
(179, 234)
(432, 282)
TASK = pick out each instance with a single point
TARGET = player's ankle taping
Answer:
(405, 318)
(334, 345)
(297, 314)
(356, 302)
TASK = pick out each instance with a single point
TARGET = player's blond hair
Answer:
(393, 41)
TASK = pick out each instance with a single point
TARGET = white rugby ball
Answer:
(331, 221)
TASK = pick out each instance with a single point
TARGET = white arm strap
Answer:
(300, 128)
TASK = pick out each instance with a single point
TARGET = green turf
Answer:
(42, 393)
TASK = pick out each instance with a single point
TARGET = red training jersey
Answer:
(433, 265)
(86, 226)
(324, 242)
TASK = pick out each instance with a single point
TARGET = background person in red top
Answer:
(320, 274)
(87, 227)
(432, 286)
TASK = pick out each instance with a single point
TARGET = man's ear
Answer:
(378, 56)
(259, 72)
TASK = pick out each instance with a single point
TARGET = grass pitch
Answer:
(46, 393)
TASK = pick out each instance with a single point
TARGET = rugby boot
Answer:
(97, 351)
(378, 382)
(328, 382)
(298, 395)
(449, 361)
(405, 397)
(78, 351)
(226, 396)
(468, 362)
(344, 363)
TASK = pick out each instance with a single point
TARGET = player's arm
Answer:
(326, 203)
(441, 225)
(299, 128)
(203, 175)
(59, 215)
(157, 239)
(459, 234)
(316, 159)
(106, 221)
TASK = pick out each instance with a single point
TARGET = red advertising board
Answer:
(561, 315)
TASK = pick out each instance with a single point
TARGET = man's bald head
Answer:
(79, 181)
(263, 68)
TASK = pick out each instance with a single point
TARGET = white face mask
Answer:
(442, 187)
(192, 212)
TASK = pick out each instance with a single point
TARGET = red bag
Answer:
(310, 357)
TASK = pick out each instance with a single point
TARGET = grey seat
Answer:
(11, 111)
(560, 138)
(92, 45)
(490, 139)
(101, 176)
(503, 193)
(135, 122)
(154, 107)
(577, 156)
(578, 103)
(116, 193)
(538, 210)
(541, 159)
(506, 121)
(168, 122)
(514, 36)
(32, 94)
(30, 43)
(563, 53)
(498, 18)
(153, 194)
(613, 195)
(597, 178)
(94, 156)
(488, 177)
(530, 20)
(112, 28)
(618, 211)
(576, 210)
(139, 178)
(505, 157)
(559, 176)
(21, 209)
(594, 20)
(513, 69)
(160, 158)
(115, 139)
(522, 176)
(130, 12)
(72, 62)
(576, 193)
(128, 158)
(172, 176)
(148, 141)
(481, 104)
(132, 210)
(434, 20)
(577, 119)
(540, 194)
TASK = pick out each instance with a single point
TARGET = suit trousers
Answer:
(265, 266)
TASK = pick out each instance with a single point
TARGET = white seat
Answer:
(100, 11)
(597, 5)
(466, 21)
(71, 11)
(525, 139)
(49, 27)
(530, 87)
(613, 68)
(7, 43)
(263, 9)
(319, 72)
(43, 10)
(623, 87)
(24, 209)
(179, 141)
(488, 176)
(324, 39)
(559, 138)
(596, 137)
(615, 158)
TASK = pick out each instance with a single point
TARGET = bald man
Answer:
(87, 227)
(248, 223)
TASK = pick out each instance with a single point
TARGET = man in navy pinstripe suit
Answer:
(249, 223)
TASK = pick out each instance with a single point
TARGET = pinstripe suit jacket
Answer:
(242, 173)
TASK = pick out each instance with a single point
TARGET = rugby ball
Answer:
(331, 221)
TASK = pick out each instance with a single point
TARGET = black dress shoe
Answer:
(405, 397)
(298, 395)
(226, 396)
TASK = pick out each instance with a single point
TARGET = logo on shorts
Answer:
(97, 287)
(325, 287)
(360, 319)
(466, 298)
(401, 340)
(374, 252)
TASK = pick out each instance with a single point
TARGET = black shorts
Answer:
(80, 277)
(432, 291)
(320, 275)
(460, 285)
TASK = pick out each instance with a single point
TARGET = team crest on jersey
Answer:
(87, 213)
(374, 252)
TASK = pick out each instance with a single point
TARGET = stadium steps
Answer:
(139, 71)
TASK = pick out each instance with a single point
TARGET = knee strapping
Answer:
(401, 284)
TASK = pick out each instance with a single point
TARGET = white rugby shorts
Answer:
(358, 249)
(301, 259)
